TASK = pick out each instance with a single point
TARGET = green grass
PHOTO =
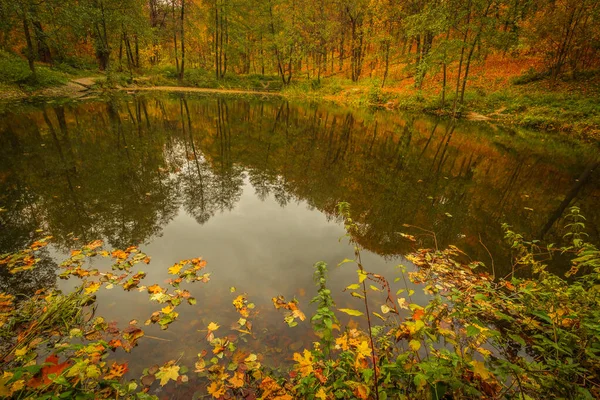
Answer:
(528, 104)
(194, 77)
(14, 71)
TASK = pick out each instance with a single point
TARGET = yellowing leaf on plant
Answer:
(361, 391)
(480, 369)
(403, 303)
(350, 311)
(362, 275)
(363, 349)
(414, 345)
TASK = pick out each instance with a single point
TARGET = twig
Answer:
(157, 338)
(491, 258)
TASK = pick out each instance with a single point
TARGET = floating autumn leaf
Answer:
(93, 245)
(119, 254)
(211, 328)
(272, 390)
(216, 389)
(116, 371)
(237, 380)
(51, 370)
(292, 307)
(155, 289)
(131, 335)
(241, 305)
(115, 343)
(168, 372)
(92, 287)
(174, 270)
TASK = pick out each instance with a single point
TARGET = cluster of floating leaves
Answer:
(58, 321)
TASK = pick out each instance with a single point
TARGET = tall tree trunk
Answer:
(137, 50)
(475, 42)
(387, 62)
(30, 50)
(216, 38)
(182, 40)
(175, 36)
(460, 63)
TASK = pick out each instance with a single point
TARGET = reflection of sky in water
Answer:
(260, 248)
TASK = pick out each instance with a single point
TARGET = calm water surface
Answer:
(251, 186)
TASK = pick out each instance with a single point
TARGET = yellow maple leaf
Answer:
(216, 389)
(239, 301)
(363, 349)
(321, 394)
(168, 372)
(237, 380)
(304, 363)
(92, 287)
(480, 369)
(342, 343)
(174, 270)
(213, 326)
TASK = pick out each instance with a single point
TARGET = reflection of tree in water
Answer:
(208, 187)
(26, 283)
(96, 173)
(121, 169)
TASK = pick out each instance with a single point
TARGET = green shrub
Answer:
(13, 69)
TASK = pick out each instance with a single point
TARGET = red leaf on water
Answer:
(53, 368)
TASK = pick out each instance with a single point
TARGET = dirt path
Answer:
(86, 82)
(199, 90)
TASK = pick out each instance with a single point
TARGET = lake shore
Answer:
(572, 114)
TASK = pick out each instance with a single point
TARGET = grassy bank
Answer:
(530, 105)
(572, 106)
